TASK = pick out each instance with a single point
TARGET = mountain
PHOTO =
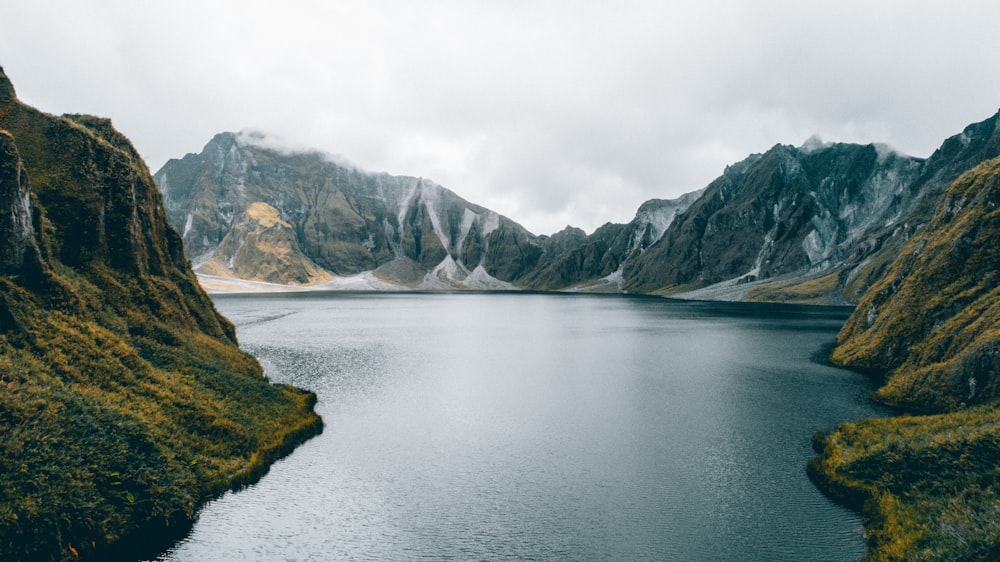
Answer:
(816, 223)
(787, 212)
(250, 211)
(125, 401)
(595, 263)
(929, 329)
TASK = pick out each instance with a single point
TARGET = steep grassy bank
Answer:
(124, 399)
(928, 484)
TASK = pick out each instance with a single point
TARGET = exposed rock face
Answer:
(344, 221)
(818, 222)
(595, 262)
(975, 144)
(790, 210)
(934, 318)
(261, 247)
(17, 234)
(125, 401)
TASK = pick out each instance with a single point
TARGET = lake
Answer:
(478, 426)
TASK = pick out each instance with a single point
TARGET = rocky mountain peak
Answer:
(7, 93)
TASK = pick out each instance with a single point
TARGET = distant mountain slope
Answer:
(125, 401)
(595, 262)
(788, 211)
(333, 225)
(818, 223)
(333, 219)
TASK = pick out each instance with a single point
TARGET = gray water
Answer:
(539, 427)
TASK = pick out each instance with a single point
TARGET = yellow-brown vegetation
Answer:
(928, 484)
(125, 401)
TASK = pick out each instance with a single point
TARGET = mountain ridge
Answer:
(812, 224)
(360, 222)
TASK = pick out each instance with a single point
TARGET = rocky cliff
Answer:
(124, 399)
(596, 262)
(787, 212)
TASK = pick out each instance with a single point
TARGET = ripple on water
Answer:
(541, 427)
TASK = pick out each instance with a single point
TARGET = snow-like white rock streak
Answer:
(445, 275)
(490, 223)
(468, 219)
(616, 279)
(430, 194)
(480, 279)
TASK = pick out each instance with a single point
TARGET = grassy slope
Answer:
(928, 484)
(124, 399)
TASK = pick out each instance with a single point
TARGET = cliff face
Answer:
(788, 211)
(124, 400)
(19, 250)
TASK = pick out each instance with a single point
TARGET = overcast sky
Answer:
(551, 113)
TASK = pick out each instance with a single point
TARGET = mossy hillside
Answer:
(934, 318)
(820, 289)
(928, 484)
(124, 399)
(111, 434)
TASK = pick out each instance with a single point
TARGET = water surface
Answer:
(519, 426)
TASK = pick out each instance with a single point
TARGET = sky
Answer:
(552, 113)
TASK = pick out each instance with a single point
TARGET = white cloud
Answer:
(549, 112)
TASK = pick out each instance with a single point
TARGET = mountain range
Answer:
(812, 224)
(251, 212)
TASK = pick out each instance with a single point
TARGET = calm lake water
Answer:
(541, 427)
